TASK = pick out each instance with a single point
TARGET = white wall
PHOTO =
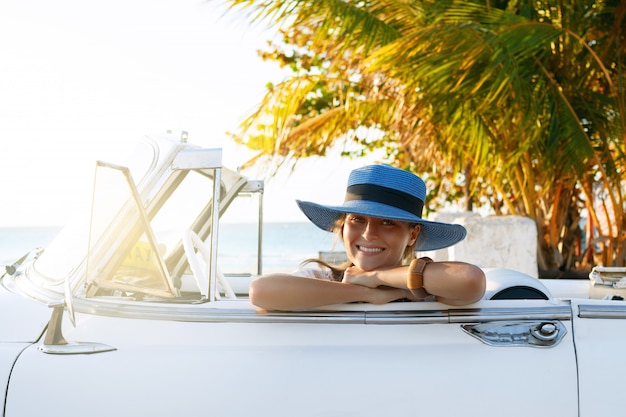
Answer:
(492, 242)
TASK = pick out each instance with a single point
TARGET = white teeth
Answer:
(370, 250)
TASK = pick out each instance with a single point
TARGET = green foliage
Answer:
(513, 105)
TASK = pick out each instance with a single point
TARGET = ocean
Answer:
(285, 245)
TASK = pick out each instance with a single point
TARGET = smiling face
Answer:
(372, 243)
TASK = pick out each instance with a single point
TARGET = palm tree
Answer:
(520, 105)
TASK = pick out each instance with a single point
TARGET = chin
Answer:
(368, 265)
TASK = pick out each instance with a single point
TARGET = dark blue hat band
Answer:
(384, 195)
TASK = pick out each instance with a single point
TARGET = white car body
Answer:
(113, 322)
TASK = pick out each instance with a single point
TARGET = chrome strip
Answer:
(242, 314)
(202, 313)
(602, 311)
(555, 312)
(406, 317)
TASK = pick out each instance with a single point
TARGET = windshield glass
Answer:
(131, 240)
(130, 244)
(124, 255)
(66, 252)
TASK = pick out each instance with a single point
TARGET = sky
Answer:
(81, 79)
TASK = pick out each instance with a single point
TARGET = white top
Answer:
(312, 272)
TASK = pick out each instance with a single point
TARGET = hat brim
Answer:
(433, 235)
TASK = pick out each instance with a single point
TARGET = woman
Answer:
(381, 225)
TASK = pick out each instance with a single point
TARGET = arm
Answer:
(454, 283)
(289, 292)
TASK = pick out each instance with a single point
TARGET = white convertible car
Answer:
(128, 314)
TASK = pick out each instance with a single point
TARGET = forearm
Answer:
(288, 292)
(454, 283)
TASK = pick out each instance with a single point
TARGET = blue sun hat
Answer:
(391, 193)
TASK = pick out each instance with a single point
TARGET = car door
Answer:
(600, 342)
(227, 358)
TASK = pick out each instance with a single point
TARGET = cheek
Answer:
(403, 240)
(349, 232)
(346, 237)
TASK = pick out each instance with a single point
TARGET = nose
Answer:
(371, 230)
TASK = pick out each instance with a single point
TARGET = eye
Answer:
(356, 219)
(388, 222)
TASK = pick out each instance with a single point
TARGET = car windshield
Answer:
(131, 243)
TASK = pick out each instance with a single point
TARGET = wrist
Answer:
(415, 276)
(375, 279)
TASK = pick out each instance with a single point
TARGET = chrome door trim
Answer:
(548, 312)
(602, 311)
(234, 313)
